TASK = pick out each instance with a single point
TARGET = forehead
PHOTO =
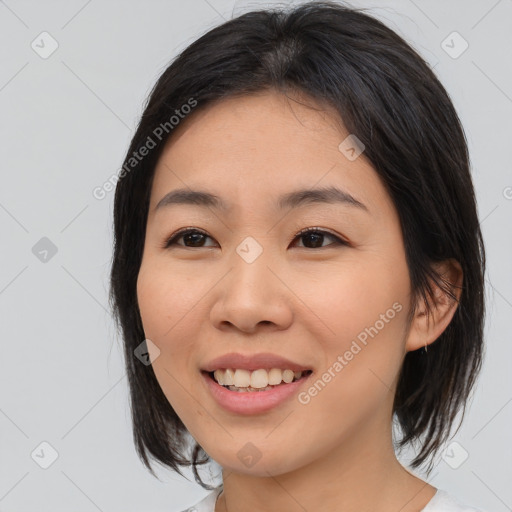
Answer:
(252, 150)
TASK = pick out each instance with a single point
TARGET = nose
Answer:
(252, 296)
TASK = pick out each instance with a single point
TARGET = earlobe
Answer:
(427, 326)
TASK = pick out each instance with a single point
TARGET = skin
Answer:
(295, 300)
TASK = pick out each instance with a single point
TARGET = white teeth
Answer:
(275, 375)
(229, 377)
(257, 379)
(226, 377)
(288, 376)
(242, 378)
(218, 375)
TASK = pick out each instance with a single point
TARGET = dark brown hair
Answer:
(387, 96)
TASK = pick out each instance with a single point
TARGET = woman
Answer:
(298, 255)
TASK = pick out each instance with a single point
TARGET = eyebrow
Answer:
(295, 199)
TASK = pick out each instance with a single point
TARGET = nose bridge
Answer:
(251, 294)
(250, 250)
(251, 279)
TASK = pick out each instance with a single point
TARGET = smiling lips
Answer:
(254, 372)
(253, 384)
(260, 379)
(243, 401)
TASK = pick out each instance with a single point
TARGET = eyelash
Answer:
(175, 236)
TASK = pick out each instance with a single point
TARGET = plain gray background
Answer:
(66, 122)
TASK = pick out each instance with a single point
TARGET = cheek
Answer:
(167, 301)
(362, 314)
(362, 359)
(152, 296)
(352, 298)
(160, 311)
(167, 312)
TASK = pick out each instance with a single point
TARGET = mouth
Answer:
(245, 392)
(257, 381)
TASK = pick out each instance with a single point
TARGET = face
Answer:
(244, 280)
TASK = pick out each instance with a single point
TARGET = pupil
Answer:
(316, 237)
(193, 238)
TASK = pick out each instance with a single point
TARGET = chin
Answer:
(259, 463)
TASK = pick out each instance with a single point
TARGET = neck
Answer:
(361, 474)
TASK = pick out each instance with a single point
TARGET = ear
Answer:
(425, 330)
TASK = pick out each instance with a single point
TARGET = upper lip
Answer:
(253, 362)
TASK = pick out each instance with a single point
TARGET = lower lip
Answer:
(252, 402)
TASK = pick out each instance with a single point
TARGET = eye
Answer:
(190, 235)
(315, 236)
(195, 237)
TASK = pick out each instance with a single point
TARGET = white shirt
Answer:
(440, 502)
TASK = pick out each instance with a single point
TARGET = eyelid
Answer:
(174, 236)
(321, 230)
(177, 234)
